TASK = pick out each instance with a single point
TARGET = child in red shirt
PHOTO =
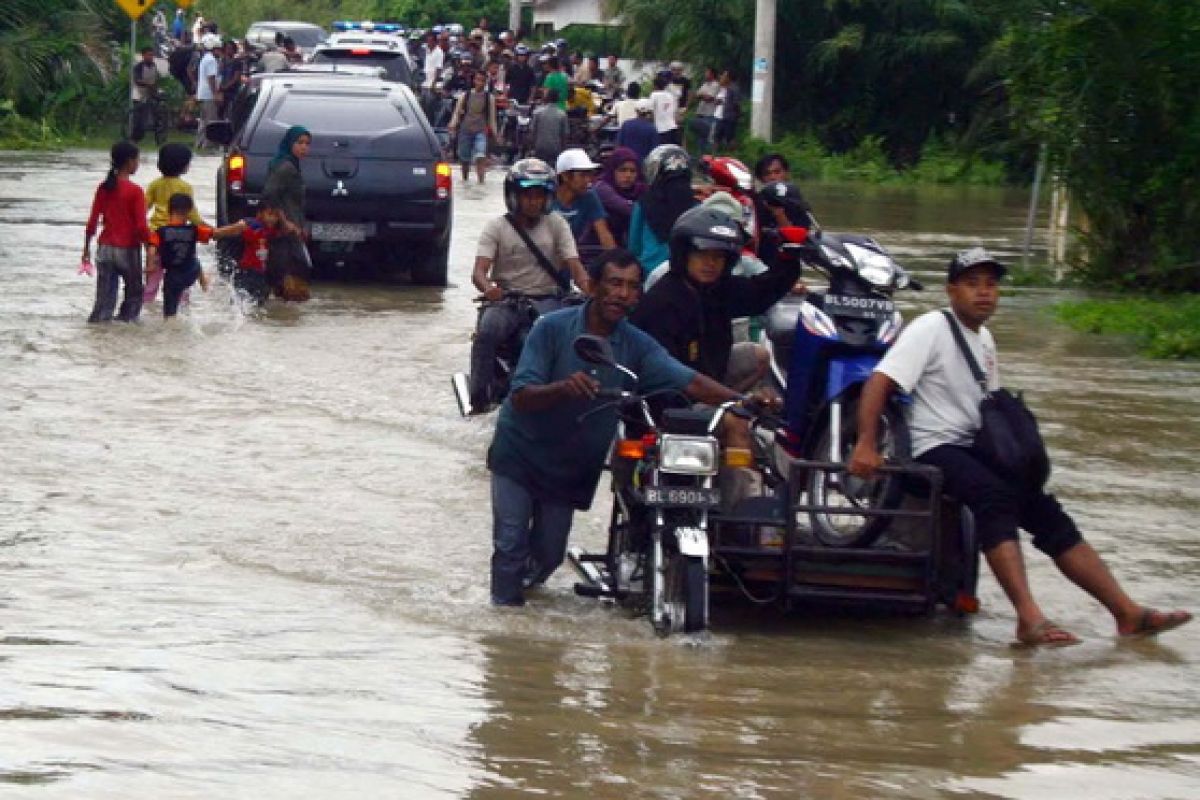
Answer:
(122, 205)
(256, 234)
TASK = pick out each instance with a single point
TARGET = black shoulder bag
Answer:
(560, 277)
(1008, 439)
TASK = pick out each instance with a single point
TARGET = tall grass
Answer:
(1161, 327)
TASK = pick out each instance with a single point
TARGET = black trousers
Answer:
(175, 283)
(999, 506)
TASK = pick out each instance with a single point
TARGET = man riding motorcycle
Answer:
(528, 251)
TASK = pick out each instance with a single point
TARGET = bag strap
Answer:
(559, 277)
(965, 349)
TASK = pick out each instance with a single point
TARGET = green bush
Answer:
(868, 162)
(1161, 327)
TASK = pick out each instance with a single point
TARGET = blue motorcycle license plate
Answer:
(681, 497)
(842, 305)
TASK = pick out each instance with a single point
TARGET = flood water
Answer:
(245, 556)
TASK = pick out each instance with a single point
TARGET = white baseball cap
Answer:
(644, 106)
(575, 159)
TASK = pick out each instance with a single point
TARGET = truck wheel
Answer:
(433, 268)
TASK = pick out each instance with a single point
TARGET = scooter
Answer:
(663, 472)
(823, 348)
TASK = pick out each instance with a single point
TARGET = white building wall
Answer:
(561, 13)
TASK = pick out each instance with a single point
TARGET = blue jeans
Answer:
(529, 539)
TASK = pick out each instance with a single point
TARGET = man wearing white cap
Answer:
(577, 203)
(208, 76)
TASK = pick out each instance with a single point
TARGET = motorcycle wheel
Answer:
(842, 489)
(686, 595)
(626, 565)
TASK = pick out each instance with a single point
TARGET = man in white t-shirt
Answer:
(208, 77)
(926, 363)
(665, 106)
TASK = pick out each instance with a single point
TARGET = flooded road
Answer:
(246, 557)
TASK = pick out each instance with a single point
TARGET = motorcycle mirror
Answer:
(594, 350)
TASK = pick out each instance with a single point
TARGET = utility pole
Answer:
(762, 90)
(514, 16)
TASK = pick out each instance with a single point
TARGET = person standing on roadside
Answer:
(729, 110)
(231, 78)
(665, 107)
(614, 78)
(121, 205)
(145, 76)
(703, 124)
(288, 264)
(208, 86)
(928, 363)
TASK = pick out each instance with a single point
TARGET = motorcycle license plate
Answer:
(339, 232)
(681, 497)
(841, 305)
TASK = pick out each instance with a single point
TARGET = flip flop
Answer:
(1047, 633)
(1166, 621)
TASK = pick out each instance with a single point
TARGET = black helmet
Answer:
(664, 160)
(778, 194)
(528, 173)
(705, 228)
(521, 50)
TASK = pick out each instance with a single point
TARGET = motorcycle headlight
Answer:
(688, 455)
(875, 268)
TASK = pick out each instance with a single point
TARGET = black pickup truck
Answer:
(377, 194)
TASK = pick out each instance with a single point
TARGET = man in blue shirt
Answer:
(577, 203)
(544, 463)
(639, 133)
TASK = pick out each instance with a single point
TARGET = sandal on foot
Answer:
(1047, 633)
(1152, 622)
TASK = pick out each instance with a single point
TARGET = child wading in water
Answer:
(256, 234)
(173, 163)
(174, 246)
(121, 204)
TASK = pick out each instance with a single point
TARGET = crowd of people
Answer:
(667, 267)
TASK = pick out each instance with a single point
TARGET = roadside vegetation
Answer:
(1160, 326)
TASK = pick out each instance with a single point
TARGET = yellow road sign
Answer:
(183, 3)
(135, 8)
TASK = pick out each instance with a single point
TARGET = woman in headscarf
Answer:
(288, 264)
(619, 186)
(669, 173)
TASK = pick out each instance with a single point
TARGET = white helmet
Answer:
(210, 41)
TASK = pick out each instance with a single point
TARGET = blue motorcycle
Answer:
(823, 348)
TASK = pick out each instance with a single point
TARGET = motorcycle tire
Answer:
(686, 595)
(881, 492)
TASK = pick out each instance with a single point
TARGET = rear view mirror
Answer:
(594, 350)
(220, 131)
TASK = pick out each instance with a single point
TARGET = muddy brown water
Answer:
(246, 556)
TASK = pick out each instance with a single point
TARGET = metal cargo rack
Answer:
(803, 571)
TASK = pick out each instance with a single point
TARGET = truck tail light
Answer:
(442, 180)
(235, 173)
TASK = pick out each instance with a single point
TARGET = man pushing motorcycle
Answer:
(929, 364)
(546, 461)
(527, 251)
